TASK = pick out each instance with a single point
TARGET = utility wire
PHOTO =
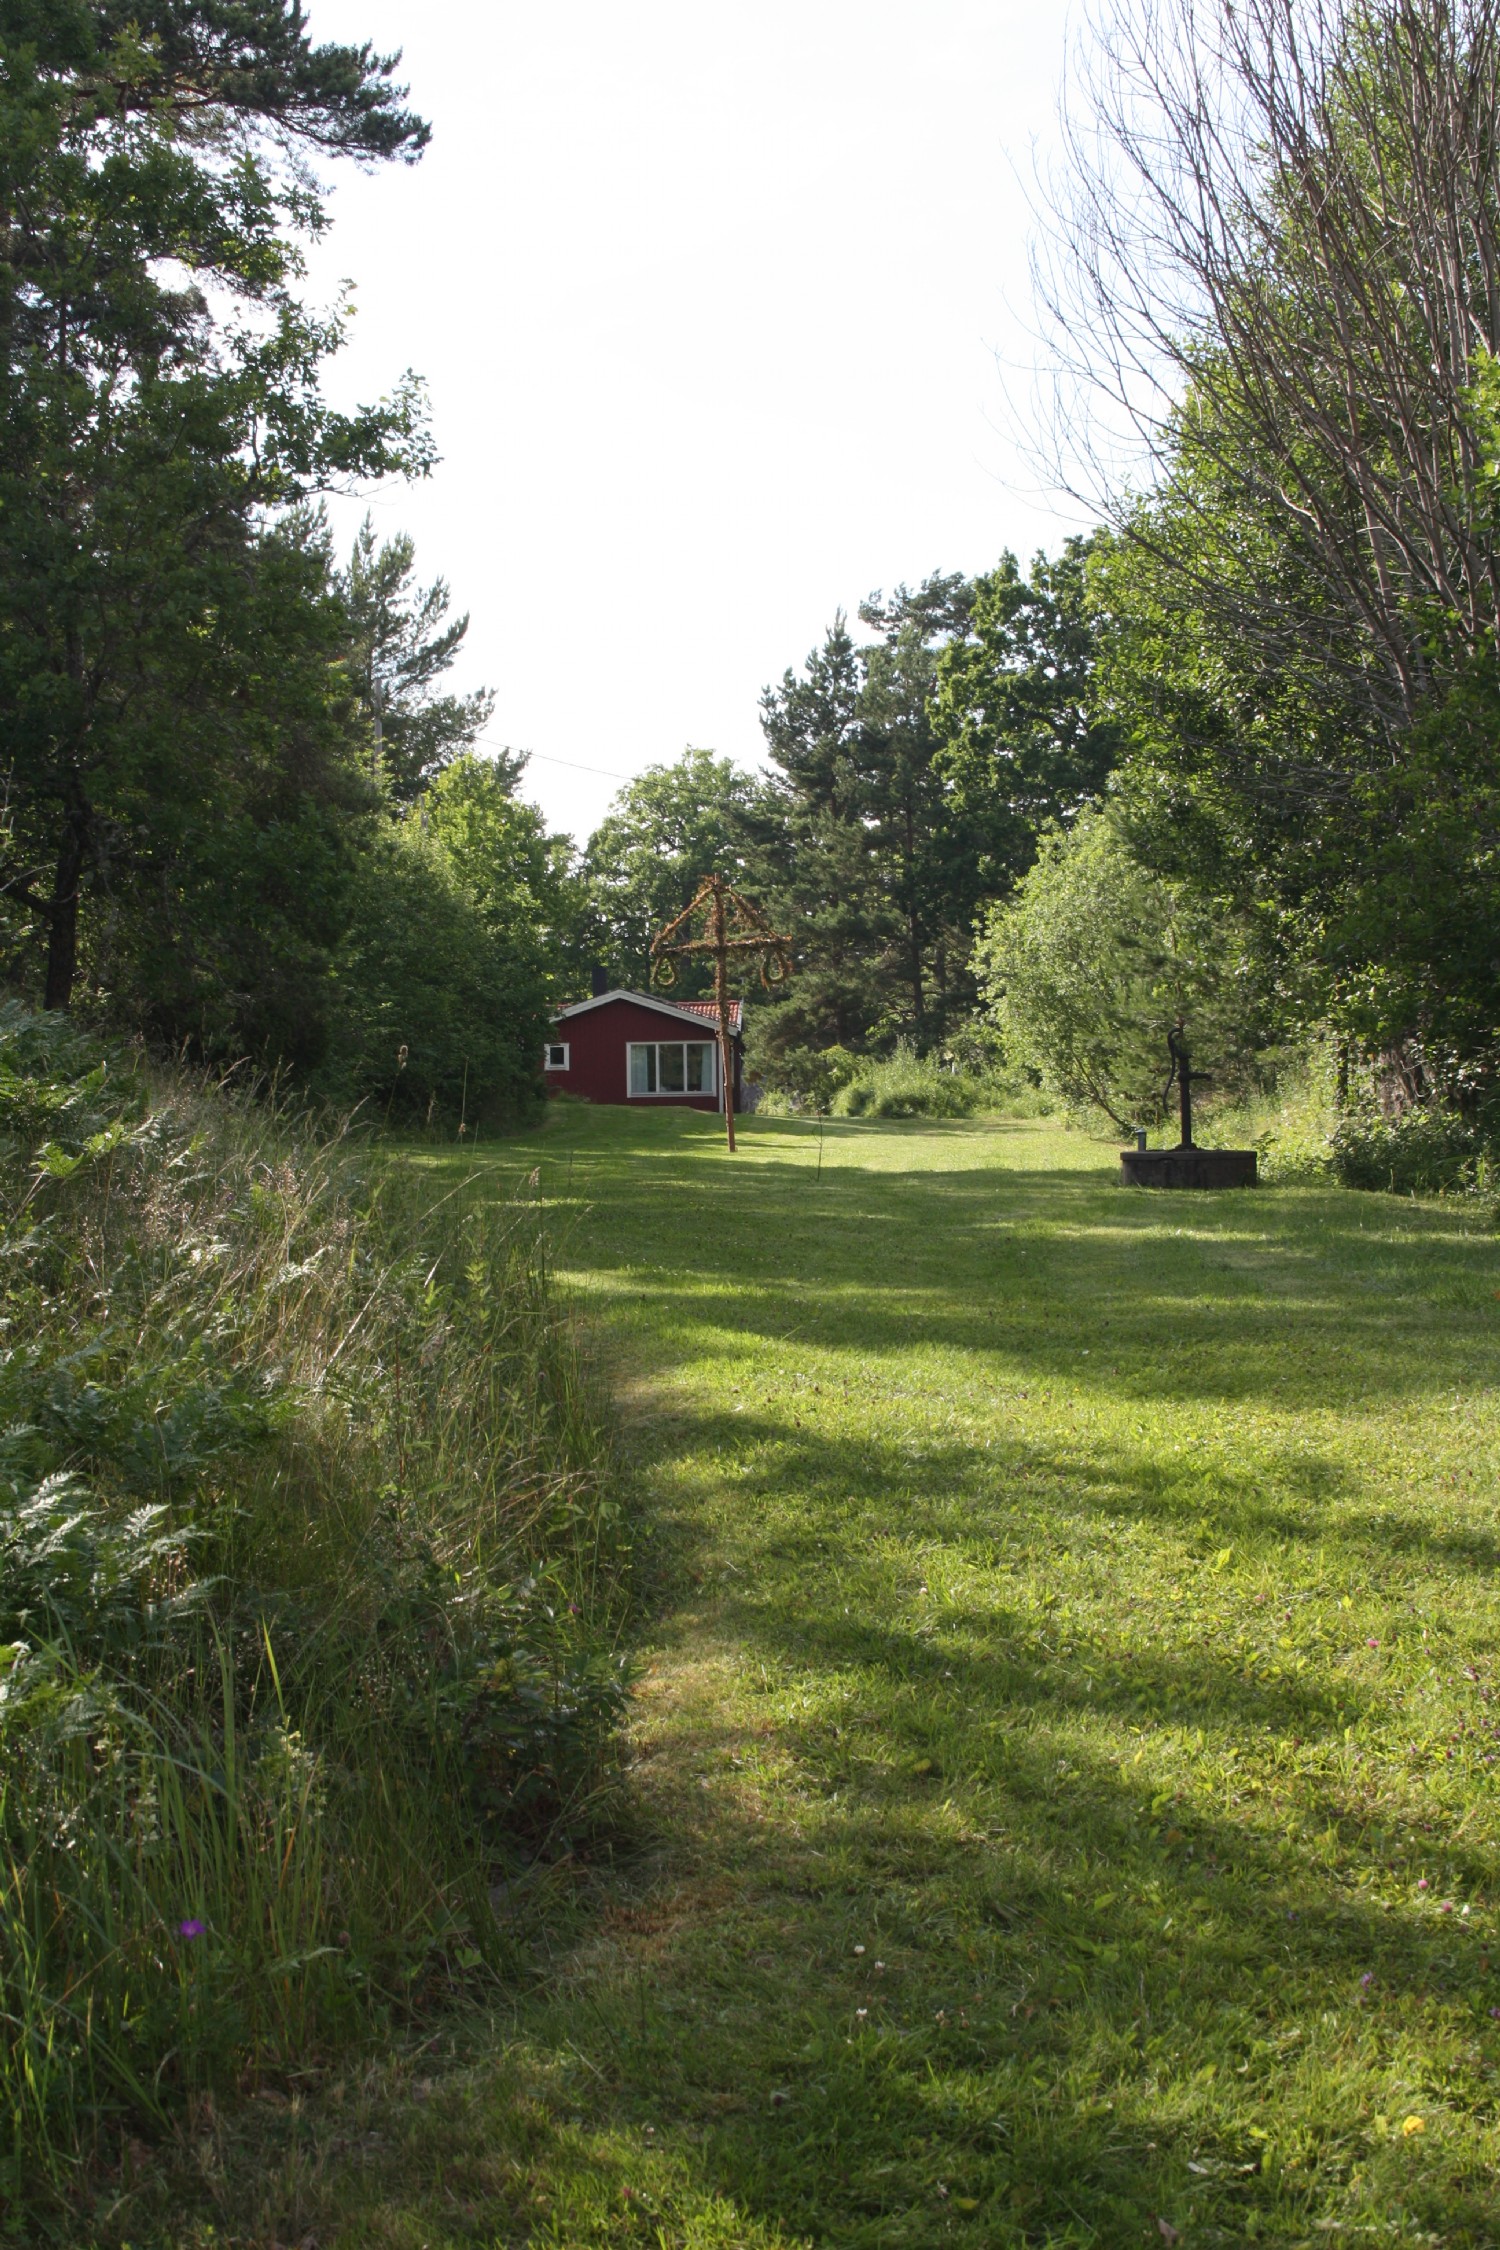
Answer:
(607, 773)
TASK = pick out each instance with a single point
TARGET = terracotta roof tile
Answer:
(709, 1011)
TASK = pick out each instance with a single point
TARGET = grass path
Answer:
(1067, 1760)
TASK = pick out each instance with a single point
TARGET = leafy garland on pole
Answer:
(727, 924)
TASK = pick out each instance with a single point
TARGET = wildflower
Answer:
(1421, 1882)
(191, 1928)
(1372, 1644)
(863, 2012)
(1410, 2125)
(859, 1949)
(1368, 1978)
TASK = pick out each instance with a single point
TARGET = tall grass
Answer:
(1306, 1132)
(906, 1084)
(309, 1582)
(1290, 1124)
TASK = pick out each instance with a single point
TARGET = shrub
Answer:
(909, 1085)
(772, 1102)
(309, 1576)
(803, 1078)
(1425, 1150)
(1291, 1124)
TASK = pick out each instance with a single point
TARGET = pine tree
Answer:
(152, 165)
(401, 642)
(860, 851)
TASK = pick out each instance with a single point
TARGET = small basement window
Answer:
(557, 1055)
(675, 1066)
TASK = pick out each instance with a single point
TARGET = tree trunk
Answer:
(914, 936)
(62, 912)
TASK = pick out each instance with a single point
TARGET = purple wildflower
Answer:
(191, 1928)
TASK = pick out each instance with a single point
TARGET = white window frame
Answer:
(558, 1047)
(682, 1093)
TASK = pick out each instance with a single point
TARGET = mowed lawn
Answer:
(1065, 1777)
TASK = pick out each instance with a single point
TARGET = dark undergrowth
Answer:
(310, 1591)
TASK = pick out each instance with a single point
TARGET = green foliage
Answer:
(205, 720)
(855, 853)
(1366, 859)
(165, 680)
(501, 854)
(55, 1088)
(531, 1713)
(1298, 619)
(436, 1018)
(308, 1584)
(809, 1076)
(76, 1585)
(911, 772)
(1290, 1122)
(401, 641)
(223, 912)
(907, 1084)
(664, 832)
(1016, 705)
(1424, 1150)
(1095, 959)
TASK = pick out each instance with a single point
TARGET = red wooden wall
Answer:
(598, 1062)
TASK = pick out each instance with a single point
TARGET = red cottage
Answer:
(635, 1047)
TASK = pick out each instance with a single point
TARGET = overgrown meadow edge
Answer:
(1305, 1133)
(311, 1596)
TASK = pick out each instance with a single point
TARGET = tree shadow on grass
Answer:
(1004, 1499)
(1068, 1992)
(1235, 1298)
(1077, 1947)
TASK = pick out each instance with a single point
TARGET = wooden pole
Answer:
(723, 911)
(719, 935)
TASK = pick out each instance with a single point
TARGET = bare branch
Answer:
(1273, 255)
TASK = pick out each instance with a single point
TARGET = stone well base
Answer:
(1187, 1167)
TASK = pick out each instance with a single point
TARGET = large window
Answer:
(675, 1066)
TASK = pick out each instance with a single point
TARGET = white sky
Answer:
(719, 303)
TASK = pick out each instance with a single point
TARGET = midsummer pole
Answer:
(729, 924)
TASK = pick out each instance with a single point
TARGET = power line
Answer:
(607, 773)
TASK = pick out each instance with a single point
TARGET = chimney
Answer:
(598, 980)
